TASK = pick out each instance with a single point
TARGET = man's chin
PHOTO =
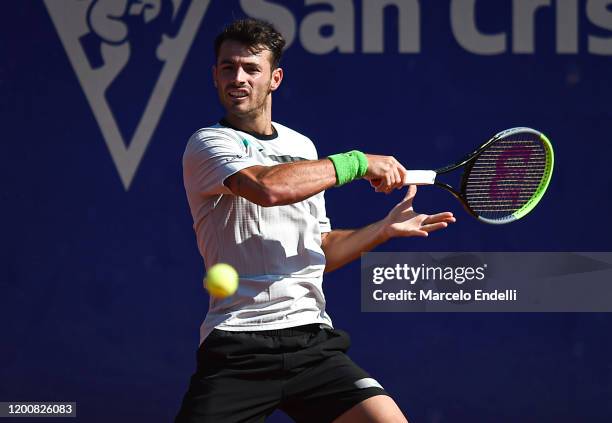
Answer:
(236, 107)
(241, 112)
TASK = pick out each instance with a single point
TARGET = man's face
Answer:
(243, 79)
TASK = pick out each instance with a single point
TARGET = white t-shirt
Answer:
(276, 250)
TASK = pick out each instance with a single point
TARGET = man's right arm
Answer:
(282, 184)
(290, 183)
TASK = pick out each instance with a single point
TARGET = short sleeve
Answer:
(317, 209)
(212, 156)
(317, 202)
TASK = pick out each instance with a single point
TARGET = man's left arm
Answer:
(345, 245)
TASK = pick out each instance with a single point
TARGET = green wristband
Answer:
(349, 166)
(363, 163)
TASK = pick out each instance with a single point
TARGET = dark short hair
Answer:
(256, 34)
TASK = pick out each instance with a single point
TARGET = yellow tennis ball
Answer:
(221, 280)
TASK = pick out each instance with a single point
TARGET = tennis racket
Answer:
(503, 180)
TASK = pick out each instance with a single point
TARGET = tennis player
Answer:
(255, 189)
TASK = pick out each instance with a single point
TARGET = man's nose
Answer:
(240, 76)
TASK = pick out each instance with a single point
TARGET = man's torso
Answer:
(276, 250)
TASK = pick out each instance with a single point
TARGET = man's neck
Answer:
(260, 125)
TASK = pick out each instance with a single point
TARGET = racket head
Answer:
(507, 176)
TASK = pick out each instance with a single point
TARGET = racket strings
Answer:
(505, 176)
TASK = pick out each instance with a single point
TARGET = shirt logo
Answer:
(127, 55)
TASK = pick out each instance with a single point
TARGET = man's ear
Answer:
(277, 78)
(214, 75)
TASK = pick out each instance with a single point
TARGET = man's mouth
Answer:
(238, 93)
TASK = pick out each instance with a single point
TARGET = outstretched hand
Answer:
(403, 221)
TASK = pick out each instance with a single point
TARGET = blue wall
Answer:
(101, 295)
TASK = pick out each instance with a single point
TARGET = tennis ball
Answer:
(221, 280)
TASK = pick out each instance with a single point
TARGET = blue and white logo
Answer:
(107, 42)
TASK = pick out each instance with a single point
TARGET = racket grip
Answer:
(420, 177)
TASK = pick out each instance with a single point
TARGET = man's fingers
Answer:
(440, 217)
(434, 226)
(387, 170)
(395, 177)
(398, 183)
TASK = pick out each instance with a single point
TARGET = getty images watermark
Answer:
(466, 281)
(458, 275)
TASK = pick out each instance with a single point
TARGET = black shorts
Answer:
(304, 371)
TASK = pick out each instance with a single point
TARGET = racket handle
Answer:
(420, 177)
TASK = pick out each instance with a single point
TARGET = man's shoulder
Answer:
(286, 132)
(210, 139)
(213, 135)
(213, 131)
(298, 143)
